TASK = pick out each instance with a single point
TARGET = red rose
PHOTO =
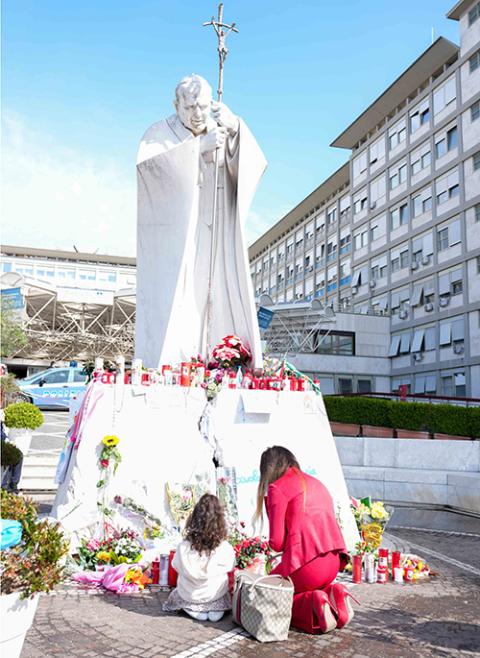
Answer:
(104, 463)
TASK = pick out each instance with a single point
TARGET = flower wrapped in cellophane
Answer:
(371, 518)
(182, 498)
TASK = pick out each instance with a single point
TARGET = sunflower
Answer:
(110, 440)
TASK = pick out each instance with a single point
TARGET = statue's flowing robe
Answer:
(175, 200)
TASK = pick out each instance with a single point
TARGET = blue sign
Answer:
(264, 317)
(12, 298)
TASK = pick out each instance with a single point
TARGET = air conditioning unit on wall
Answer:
(354, 290)
(414, 265)
(403, 314)
(444, 301)
(372, 284)
(417, 356)
(426, 260)
(458, 349)
(428, 307)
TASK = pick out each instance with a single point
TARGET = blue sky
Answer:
(83, 80)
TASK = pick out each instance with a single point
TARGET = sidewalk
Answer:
(438, 618)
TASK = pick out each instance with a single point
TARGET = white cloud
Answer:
(55, 197)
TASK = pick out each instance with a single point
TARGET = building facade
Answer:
(396, 230)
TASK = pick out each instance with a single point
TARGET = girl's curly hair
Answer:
(206, 527)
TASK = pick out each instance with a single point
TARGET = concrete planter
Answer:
(16, 618)
(344, 429)
(412, 434)
(451, 437)
(377, 432)
(20, 437)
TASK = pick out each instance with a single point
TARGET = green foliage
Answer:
(13, 338)
(415, 416)
(34, 565)
(11, 455)
(23, 415)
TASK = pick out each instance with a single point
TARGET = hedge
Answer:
(415, 416)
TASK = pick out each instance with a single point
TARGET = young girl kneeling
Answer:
(203, 561)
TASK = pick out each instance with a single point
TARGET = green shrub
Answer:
(36, 564)
(11, 455)
(415, 416)
(23, 415)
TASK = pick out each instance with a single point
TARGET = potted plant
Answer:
(33, 565)
(22, 418)
(11, 457)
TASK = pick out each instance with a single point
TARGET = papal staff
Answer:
(222, 30)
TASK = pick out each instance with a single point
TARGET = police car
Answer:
(55, 387)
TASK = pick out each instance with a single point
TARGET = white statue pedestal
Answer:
(160, 442)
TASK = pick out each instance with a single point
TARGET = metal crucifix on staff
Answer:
(197, 172)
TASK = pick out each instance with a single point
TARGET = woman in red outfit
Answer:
(304, 528)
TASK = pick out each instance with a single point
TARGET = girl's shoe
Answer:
(322, 607)
(340, 597)
(215, 615)
(199, 616)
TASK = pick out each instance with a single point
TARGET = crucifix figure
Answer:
(197, 172)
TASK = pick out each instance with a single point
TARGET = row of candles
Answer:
(193, 374)
(380, 573)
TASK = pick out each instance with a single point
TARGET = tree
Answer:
(13, 337)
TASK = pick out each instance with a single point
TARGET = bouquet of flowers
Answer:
(109, 456)
(182, 498)
(122, 546)
(371, 518)
(227, 492)
(230, 353)
(249, 550)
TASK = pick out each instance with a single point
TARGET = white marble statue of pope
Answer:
(175, 173)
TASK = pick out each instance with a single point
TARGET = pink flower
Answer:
(104, 463)
(93, 545)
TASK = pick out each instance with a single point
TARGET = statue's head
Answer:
(193, 99)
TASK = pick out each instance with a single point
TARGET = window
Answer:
(475, 111)
(442, 239)
(345, 244)
(398, 177)
(361, 239)
(447, 187)
(473, 14)
(404, 259)
(360, 165)
(364, 386)
(444, 95)
(420, 159)
(334, 342)
(377, 151)
(57, 377)
(476, 161)
(449, 235)
(331, 216)
(457, 287)
(447, 143)
(360, 203)
(89, 275)
(397, 135)
(478, 264)
(419, 117)
(399, 216)
(79, 376)
(7, 267)
(474, 61)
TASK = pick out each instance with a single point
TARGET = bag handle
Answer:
(257, 581)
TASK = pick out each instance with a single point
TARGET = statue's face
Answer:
(194, 110)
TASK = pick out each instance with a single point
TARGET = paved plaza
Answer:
(438, 618)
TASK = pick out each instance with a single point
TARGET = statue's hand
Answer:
(213, 140)
(225, 117)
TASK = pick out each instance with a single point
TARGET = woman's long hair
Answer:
(274, 462)
(206, 527)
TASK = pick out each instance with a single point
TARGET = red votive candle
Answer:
(172, 573)
(155, 571)
(300, 385)
(396, 557)
(357, 568)
(185, 374)
(293, 383)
